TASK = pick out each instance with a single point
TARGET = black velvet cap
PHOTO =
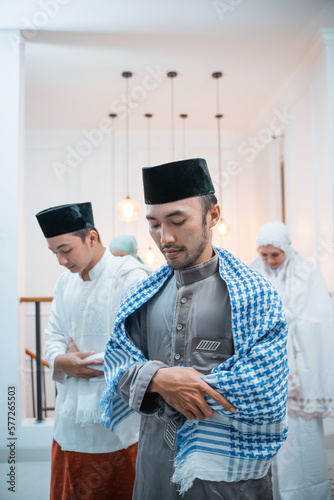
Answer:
(176, 181)
(65, 219)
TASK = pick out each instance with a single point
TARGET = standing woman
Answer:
(300, 469)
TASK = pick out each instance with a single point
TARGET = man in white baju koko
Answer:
(86, 299)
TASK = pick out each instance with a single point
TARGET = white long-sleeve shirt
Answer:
(85, 311)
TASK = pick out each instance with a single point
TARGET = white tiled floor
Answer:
(33, 479)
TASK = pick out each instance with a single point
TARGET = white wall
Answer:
(307, 158)
(92, 180)
(308, 151)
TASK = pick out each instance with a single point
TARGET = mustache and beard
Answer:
(188, 254)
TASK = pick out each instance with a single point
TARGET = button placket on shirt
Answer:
(180, 321)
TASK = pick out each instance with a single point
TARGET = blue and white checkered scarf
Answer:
(228, 446)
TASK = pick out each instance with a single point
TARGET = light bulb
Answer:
(223, 228)
(128, 209)
(150, 256)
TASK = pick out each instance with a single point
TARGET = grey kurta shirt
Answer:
(187, 323)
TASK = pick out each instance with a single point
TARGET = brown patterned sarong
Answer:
(88, 476)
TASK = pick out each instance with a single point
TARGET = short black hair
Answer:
(208, 201)
(82, 233)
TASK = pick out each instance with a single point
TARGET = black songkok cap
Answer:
(65, 219)
(176, 181)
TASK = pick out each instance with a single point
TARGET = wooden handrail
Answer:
(36, 299)
(33, 356)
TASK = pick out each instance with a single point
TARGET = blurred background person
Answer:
(300, 468)
(124, 244)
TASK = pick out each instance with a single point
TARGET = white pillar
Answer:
(12, 277)
(328, 37)
(11, 220)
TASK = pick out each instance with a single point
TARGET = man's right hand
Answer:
(74, 363)
(184, 389)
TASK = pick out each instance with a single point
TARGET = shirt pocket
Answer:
(206, 353)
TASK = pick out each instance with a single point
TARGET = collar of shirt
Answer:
(197, 273)
(96, 271)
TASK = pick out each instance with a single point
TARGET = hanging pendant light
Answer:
(150, 256)
(223, 227)
(127, 209)
(148, 116)
(183, 116)
(113, 222)
(172, 75)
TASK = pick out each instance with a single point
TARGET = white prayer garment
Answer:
(85, 311)
(310, 319)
